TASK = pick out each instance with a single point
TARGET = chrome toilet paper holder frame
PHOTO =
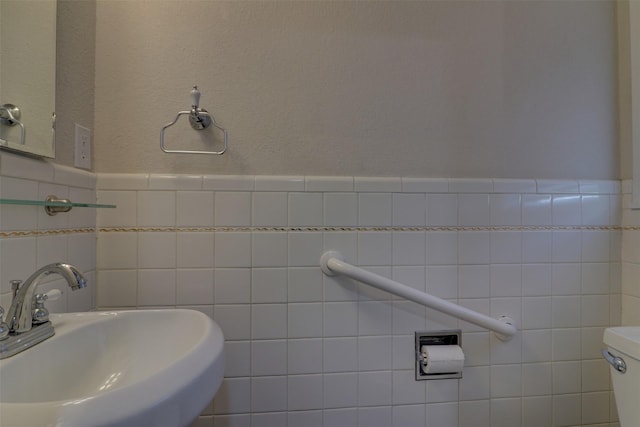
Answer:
(442, 337)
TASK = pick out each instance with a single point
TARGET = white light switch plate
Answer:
(83, 147)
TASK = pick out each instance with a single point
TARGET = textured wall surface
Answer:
(454, 89)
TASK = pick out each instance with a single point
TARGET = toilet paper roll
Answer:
(442, 359)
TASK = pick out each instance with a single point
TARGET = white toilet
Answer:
(623, 354)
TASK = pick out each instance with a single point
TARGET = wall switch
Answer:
(83, 147)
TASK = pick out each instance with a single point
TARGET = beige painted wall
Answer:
(427, 88)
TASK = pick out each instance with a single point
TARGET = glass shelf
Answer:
(45, 203)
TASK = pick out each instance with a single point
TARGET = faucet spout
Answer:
(19, 316)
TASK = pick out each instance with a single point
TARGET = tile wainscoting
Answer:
(308, 350)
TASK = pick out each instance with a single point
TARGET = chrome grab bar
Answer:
(617, 362)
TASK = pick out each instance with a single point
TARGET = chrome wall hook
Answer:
(199, 119)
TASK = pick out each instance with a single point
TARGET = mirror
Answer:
(28, 76)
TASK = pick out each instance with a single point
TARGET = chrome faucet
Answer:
(20, 315)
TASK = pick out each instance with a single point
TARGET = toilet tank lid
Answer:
(625, 339)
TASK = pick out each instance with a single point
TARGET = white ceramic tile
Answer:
(305, 209)
(445, 390)
(442, 281)
(536, 279)
(481, 305)
(566, 210)
(536, 209)
(595, 375)
(340, 391)
(514, 186)
(409, 415)
(232, 208)
(310, 418)
(374, 248)
(156, 287)
(175, 182)
(475, 383)
(340, 319)
(14, 217)
(195, 250)
(232, 249)
(536, 411)
(595, 210)
(442, 210)
(268, 419)
(565, 279)
(340, 355)
(506, 280)
(194, 209)
(194, 286)
(506, 209)
(340, 209)
(566, 246)
(403, 351)
(567, 410)
(157, 250)
(232, 285)
(566, 377)
(595, 310)
(122, 181)
(156, 208)
(374, 209)
(379, 416)
(477, 352)
(268, 357)
(233, 396)
(375, 353)
(81, 251)
(375, 388)
(374, 318)
(474, 247)
(117, 288)
(304, 356)
(591, 340)
(279, 183)
(473, 210)
(305, 284)
(338, 289)
(442, 414)
(268, 321)
(557, 186)
(228, 182)
(425, 185)
(117, 250)
(329, 183)
(536, 312)
(595, 408)
(268, 285)
(51, 249)
(304, 392)
(442, 248)
(340, 417)
(536, 246)
(595, 246)
(506, 352)
(565, 311)
(268, 249)
(506, 412)
(406, 390)
(409, 210)
(595, 278)
(82, 218)
(474, 281)
(536, 345)
(66, 175)
(304, 320)
(506, 247)
(377, 184)
(536, 379)
(407, 316)
(269, 209)
(565, 344)
(345, 242)
(237, 420)
(463, 185)
(124, 215)
(408, 248)
(234, 320)
(305, 249)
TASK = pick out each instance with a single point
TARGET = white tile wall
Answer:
(307, 349)
(304, 349)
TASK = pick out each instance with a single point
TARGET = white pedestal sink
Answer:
(151, 368)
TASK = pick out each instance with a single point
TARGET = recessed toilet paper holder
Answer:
(432, 338)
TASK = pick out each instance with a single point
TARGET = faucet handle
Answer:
(15, 285)
(39, 313)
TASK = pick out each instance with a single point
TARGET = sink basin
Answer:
(120, 368)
